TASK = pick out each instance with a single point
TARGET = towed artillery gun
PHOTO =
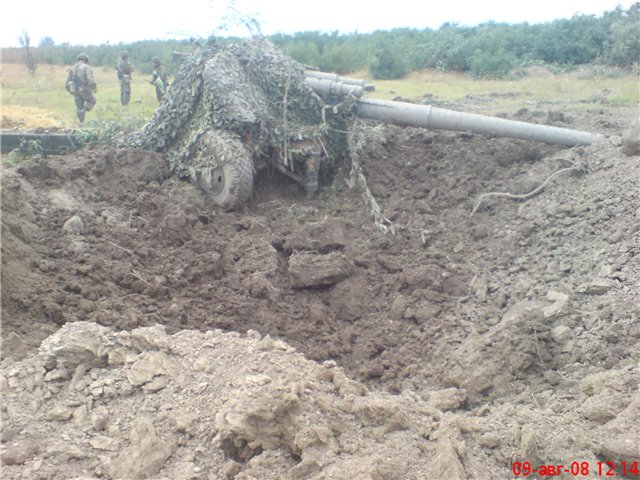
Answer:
(234, 109)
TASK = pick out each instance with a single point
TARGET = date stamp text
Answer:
(577, 469)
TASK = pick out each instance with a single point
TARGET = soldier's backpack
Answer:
(70, 85)
(74, 83)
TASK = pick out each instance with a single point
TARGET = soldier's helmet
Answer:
(156, 61)
(124, 54)
(83, 56)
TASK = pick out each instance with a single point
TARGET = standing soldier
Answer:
(159, 78)
(82, 85)
(124, 75)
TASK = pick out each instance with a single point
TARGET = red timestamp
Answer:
(577, 469)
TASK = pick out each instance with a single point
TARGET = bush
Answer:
(343, 58)
(305, 52)
(492, 64)
(448, 50)
(388, 65)
(622, 47)
(576, 41)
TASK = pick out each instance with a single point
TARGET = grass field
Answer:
(41, 101)
(539, 85)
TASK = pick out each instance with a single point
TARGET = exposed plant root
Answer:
(524, 196)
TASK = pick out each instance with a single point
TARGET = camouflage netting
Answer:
(178, 106)
(251, 99)
(252, 90)
(359, 134)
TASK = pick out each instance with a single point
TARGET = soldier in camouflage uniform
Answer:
(82, 85)
(124, 75)
(159, 78)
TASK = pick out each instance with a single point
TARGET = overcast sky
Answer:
(124, 21)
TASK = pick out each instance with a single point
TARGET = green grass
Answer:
(42, 101)
(515, 93)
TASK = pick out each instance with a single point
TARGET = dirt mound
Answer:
(140, 404)
(498, 336)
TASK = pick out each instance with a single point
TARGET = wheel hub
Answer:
(214, 182)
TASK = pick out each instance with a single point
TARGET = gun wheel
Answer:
(229, 185)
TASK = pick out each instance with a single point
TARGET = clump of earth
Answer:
(148, 334)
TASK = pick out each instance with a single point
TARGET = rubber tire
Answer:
(231, 184)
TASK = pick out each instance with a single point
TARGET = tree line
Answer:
(140, 53)
(488, 50)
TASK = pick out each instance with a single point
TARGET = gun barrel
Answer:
(334, 77)
(333, 88)
(426, 116)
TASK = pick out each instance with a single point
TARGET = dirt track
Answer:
(506, 335)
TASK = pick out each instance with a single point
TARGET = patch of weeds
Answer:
(27, 149)
(620, 102)
(31, 147)
(105, 131)
(14, 157)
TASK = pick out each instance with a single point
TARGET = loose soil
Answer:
(147, 334)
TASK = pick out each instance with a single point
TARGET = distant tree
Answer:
(388, 64)
(48, 51)
(29, 58)
(490, 49)
(449, 49)
(575, 41)
(622, 47)
(305, 52)
(344, 58)
(488, 64)
(46, 42)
